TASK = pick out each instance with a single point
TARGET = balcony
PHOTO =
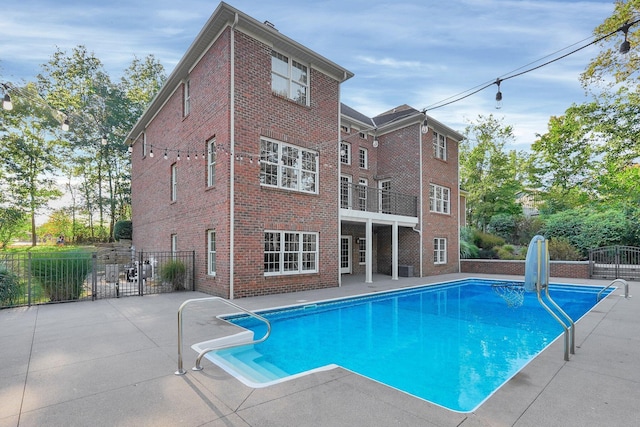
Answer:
(370, 199)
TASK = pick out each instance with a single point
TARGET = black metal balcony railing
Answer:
(371, 199)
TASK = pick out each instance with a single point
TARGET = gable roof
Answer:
(227, 16)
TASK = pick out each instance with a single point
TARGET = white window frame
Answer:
(186, 98)
(174, 245)
(290, 252)
(345, 191)
(296, 76)
(440, 250)
(211, 162)
(174, 182)
(363, 183)
(144, 144)
(439, 199)
(289, 167)
(362, 251)
(363, 158)
(211, 252)
(384, 197)
(345, 153)
(439, 146)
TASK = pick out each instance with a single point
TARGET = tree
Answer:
(29, 153)
(562, 162)
(487, 172)
(101, 113)
(610, 67)
(12, 221)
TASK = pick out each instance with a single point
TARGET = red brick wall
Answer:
(438, 225)
(258, 208)
(197, 208)
(573, 269)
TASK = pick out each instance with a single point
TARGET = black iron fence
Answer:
(46, 277)
(371, 199)
(615, 262)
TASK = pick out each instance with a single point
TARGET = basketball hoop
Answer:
(512, 293)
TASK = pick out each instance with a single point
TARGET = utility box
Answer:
(405, 270)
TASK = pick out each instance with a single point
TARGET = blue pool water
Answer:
(452, 344)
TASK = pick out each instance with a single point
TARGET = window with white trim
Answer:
(290, 252)
(362, 193)
(345, 191)
(439, 251)
(345, 153)
(174, 244)
(439, 146)
(288, 166)
(211, 250)
(362, 251)
(289, 78)
(174, 182)
(144, 144)
(211, 162)
(187, 98)
(363, 158)
(439, 199)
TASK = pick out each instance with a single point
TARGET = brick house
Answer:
(247, 157)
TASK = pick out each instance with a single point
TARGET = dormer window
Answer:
(289, 78)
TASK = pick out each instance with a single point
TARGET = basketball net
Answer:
(512, 293)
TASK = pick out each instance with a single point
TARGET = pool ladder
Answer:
(198, 367)
(626, 288)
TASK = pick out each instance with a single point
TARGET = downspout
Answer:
(420, 220)
(465, 204)
(339, 184)
(232, 165)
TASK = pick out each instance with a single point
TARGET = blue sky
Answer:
(416, 52)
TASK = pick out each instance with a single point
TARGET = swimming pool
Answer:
(452, 344)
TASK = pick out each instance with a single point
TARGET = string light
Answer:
(498, 96)
(624, 48)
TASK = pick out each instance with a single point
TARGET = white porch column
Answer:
(394, 251)
(369, 252)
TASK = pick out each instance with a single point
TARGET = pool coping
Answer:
(111, 362)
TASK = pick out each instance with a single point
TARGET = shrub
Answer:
(560, 249)
(10, 288)
(509, 252)
(486, 240)
(61, 274)
(174, 272)
(504, 225)
(123, 230)
(467, 248)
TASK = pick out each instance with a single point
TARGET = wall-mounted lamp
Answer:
(625, 46)
(498, 96)
(375, 142)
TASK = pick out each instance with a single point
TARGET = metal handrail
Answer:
(624, 282)
(180, 370)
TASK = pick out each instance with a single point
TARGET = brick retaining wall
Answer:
(573, 269)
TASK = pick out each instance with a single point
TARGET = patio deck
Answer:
(112, 362)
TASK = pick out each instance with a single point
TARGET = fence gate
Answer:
(615, 262)
(141, 273)
(44, 277)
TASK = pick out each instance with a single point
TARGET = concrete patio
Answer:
(111, 363)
